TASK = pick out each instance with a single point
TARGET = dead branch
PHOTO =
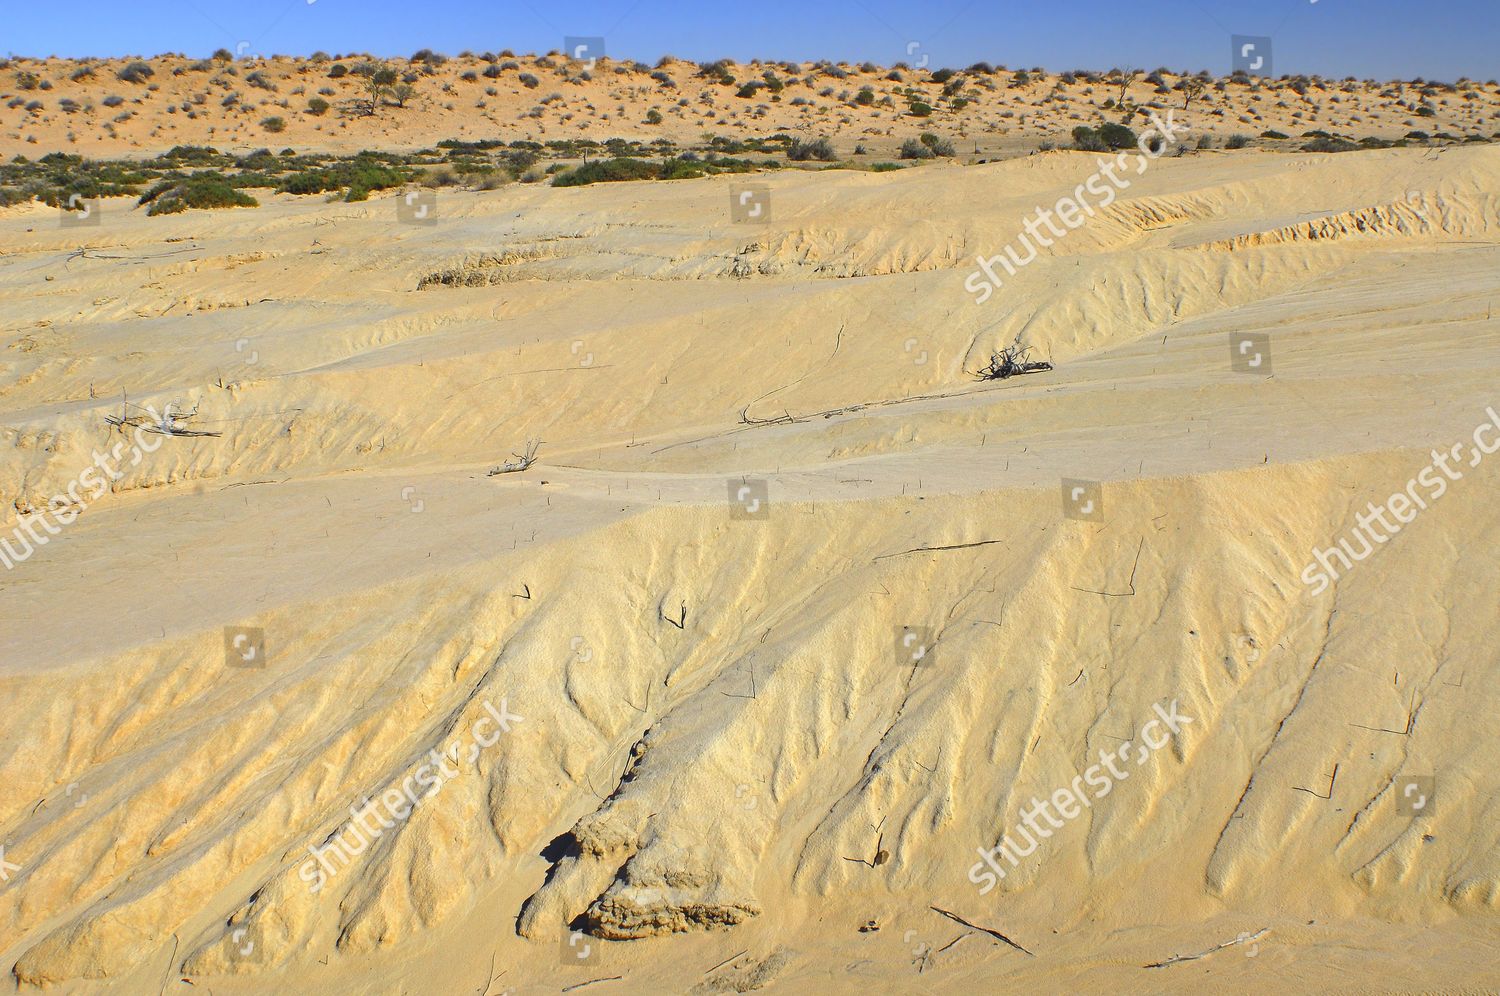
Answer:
(993, 933)
(1119, 594)
(940, 549)
(612, 978)
(167, 423)
(1012, 361)
(521, 461)
(726, 961)
(1177, 959)
(1332, 779)
(679, 623)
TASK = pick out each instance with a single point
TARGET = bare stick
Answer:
(612, 978)
(939, 549)
(1177, 959)
(1332, 778)
(1120, 594)
(945, 947)
(726, 961)
(519, 461)
(993, 933)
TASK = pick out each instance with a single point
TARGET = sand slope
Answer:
(717, 734)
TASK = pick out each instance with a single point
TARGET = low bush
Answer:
(202, 191)
(607, 171)
(1117, 136)
(1086, 139)
(940, 146)
(820, 149)
(915, 149)
(136, 72)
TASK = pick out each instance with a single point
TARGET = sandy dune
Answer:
(88, 108)
(724, 765)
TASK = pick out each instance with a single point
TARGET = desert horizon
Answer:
(504, 524)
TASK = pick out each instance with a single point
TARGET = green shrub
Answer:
(1237, 141)
(1087, 139)
(914, 149)
(607, 171)
(1273, 134)
(317, 105)
(1117, 136)
(338, 71)
(201, 190)
(918, 109)
(136, 72)
(941, 147)
(274, 125)
(653, 117)
(1329, 145)
(368, 176)
(865, 97)
(821, 149)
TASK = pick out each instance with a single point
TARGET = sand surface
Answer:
(724, 767)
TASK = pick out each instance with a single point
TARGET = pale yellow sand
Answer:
(159, 804)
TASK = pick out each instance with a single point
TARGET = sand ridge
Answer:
(226, 103)
(719, 736)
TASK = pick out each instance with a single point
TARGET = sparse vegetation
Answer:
(820, 149)
(199, 191)
(136, 72)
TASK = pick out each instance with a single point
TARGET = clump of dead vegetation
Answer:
(1012, 361)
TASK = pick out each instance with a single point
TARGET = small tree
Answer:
(1125, 77)
(1192, 88)
(402, 92)
(378, 81)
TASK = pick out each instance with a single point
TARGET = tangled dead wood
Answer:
(520, 461)
(1012, 361)
(166, 423)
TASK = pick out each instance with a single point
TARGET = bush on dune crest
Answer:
(198, 191)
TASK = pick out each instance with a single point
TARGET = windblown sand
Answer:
(717, 736)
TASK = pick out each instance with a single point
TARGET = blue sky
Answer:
(1366, 38)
